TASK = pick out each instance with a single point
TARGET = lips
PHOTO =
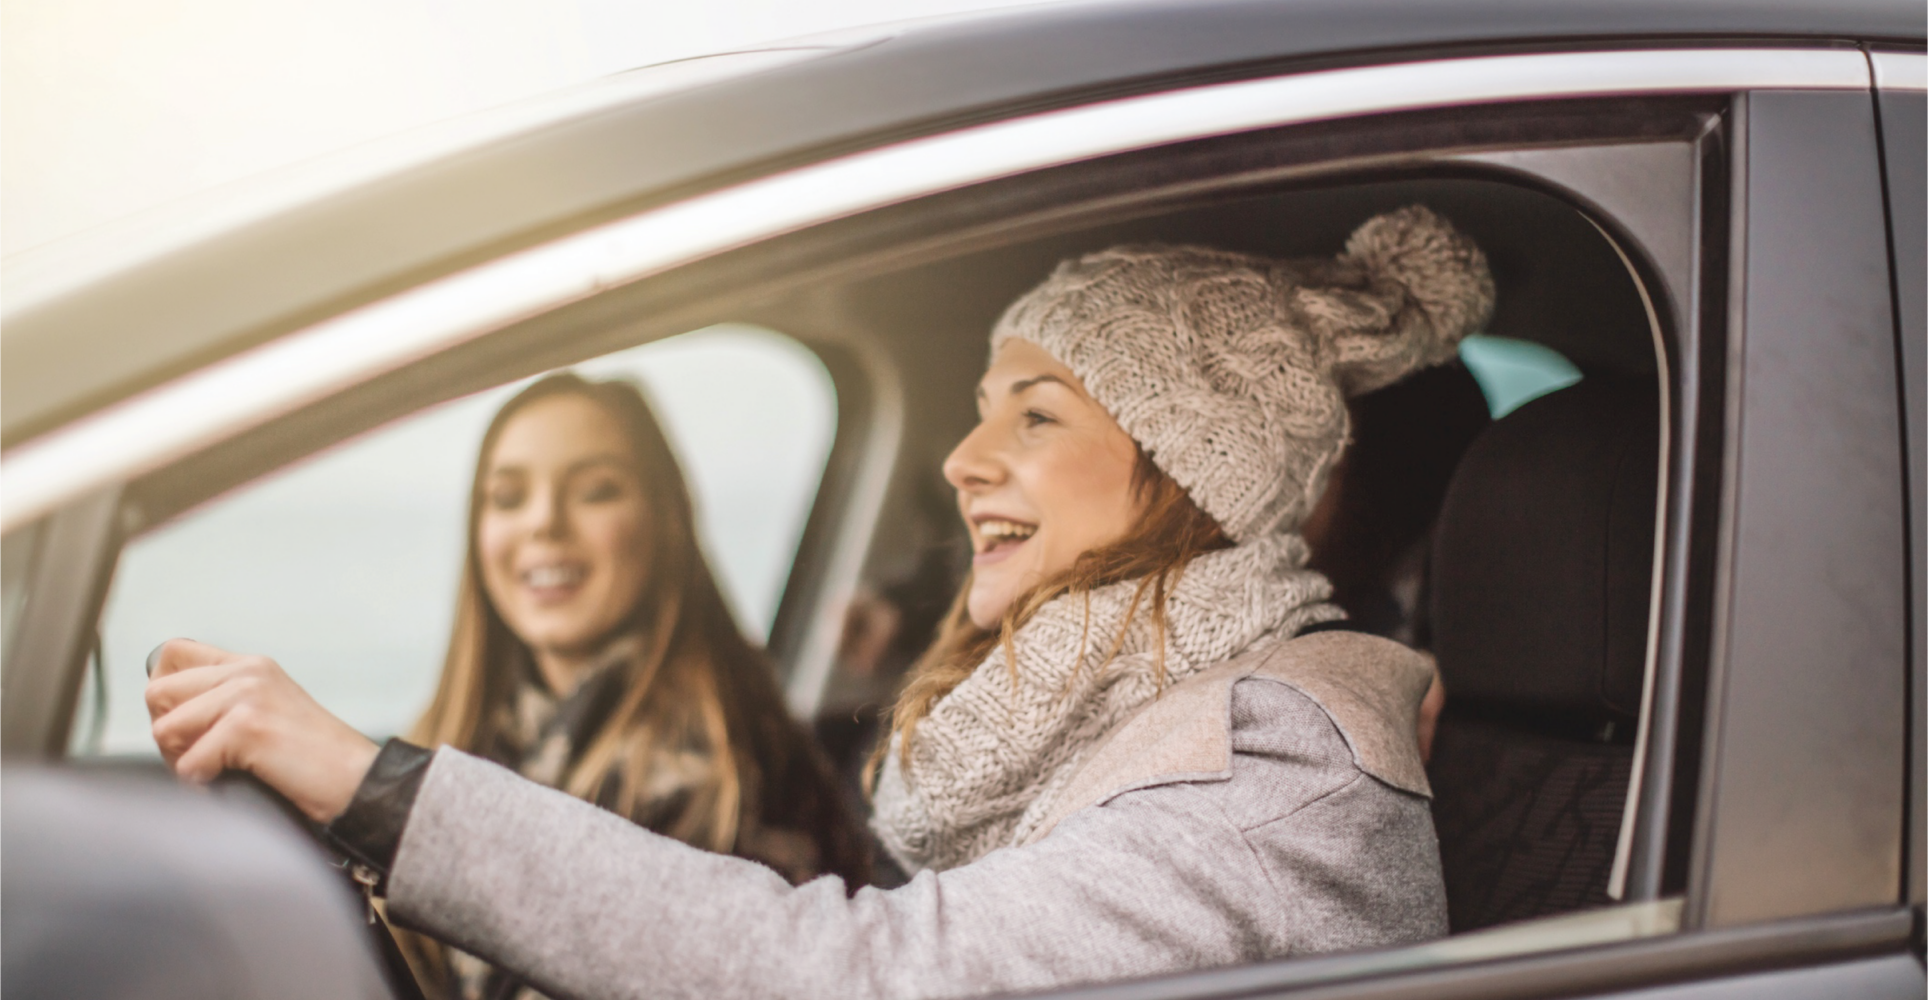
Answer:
(999, 537)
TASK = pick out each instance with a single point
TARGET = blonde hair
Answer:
(1171, 531)
(694, 682)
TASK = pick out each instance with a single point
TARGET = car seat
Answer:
(1542, 571)
(1371, 533)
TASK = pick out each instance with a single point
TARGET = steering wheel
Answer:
(395, 969)
(240, 785)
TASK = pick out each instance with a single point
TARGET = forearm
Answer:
(582, 903)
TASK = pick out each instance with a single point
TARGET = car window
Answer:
(345, 566)
(1488, 571)
(1512, 372)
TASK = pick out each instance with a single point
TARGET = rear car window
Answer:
(345, 565)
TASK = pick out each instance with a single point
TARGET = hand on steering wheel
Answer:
(216, 711)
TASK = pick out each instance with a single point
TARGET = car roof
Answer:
(158, 306)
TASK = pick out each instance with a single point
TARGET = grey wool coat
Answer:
(1274, 805)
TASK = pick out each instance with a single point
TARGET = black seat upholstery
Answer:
(1542, 570)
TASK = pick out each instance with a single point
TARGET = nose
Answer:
(974, 464)
(549, 513)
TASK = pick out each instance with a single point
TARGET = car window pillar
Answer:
(1800, 803)
(1903, 116)
(65, 585)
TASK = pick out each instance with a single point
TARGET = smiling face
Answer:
(561, 529)
(1044, 478)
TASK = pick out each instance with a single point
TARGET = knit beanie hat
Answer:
(1231, 371)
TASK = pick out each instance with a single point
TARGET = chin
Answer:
(987, 613)
(564, 639)
(998, 594)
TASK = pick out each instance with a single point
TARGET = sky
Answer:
(112, 107)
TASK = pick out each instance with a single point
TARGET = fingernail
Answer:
(151, 657)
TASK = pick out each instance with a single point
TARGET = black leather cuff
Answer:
(369, 831)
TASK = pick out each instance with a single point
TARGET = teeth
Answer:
(1001, 530)
(553, 576)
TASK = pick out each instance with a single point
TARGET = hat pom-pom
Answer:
(1438, 268)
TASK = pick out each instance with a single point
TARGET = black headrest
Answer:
(1385, 493)
(1543, 557)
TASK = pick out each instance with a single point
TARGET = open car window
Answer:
(1535, 776)
(344, 566)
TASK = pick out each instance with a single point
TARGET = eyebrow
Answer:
(1023, 384)
(604, 458)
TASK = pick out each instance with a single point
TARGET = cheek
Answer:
(1085, 498)
(495, 547)
(614, 537)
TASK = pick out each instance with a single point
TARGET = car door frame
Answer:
(1901, 94)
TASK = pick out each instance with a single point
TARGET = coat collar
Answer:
(1370, 687)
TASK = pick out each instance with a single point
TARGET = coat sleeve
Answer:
(1159, 880)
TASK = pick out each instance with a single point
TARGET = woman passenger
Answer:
(1139, 746)
(592, 652)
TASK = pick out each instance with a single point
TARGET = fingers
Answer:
(257, 720)
(176, 655)
(213, 752)
(214, 711)
(164, 694)
(195, 687)
(193, 718)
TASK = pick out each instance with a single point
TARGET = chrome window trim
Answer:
(1900, 70)
(205, 407)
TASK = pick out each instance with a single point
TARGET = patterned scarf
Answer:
(990, 758)
(542, 737)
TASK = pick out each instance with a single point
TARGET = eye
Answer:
(1036, 418)
(505, 495)
(601, 490)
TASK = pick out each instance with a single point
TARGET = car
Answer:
(1677, 606)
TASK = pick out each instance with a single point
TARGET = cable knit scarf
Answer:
(988, 762)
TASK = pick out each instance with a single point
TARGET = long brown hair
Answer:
(1170, 532)
(696, 682)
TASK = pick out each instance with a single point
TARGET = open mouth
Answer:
(554, 580)
(997, 538)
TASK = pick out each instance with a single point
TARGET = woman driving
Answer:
(592, 653)
(1142, 743)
